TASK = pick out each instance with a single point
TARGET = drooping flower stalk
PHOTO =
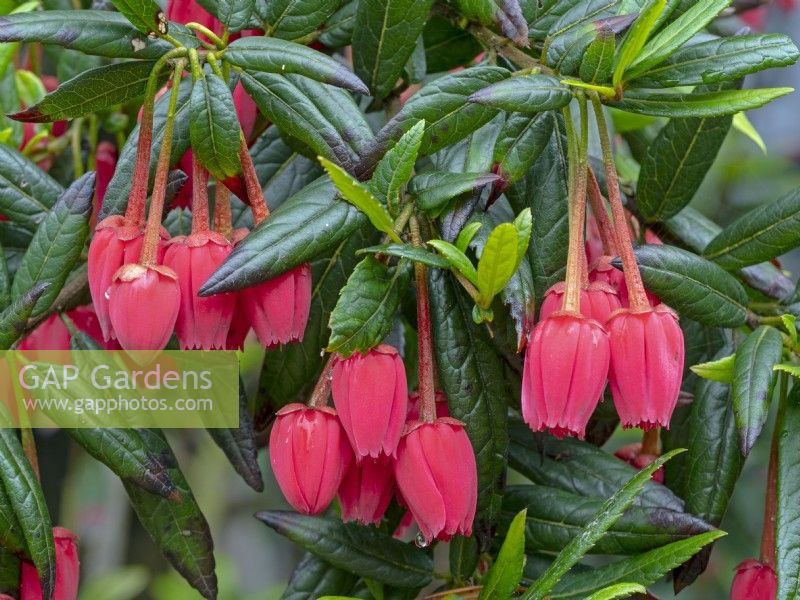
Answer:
(200, 219)
(322, 390)
(223, 222)
(426, 391)
(597, 201)
(254, 192)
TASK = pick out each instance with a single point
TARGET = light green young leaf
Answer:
(790, 323)
(523, 224)
(637, 37)
(720, 370)
(357, 194)
(743, 125)
(620, 590)
(457, 259)
(504, 576)
(791, 369)
(498, 262)
(466, 235)
(395, 168)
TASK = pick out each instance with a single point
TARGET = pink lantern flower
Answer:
(366, 490)
(754, 580)
(67, 570)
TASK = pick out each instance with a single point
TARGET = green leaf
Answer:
(790, 324)
(314, 578)
(291, 20)
(619, 590)
(743, 125)
(236, 15)
(145, 15)
(787, 497)
(273, 55)
(504, 576)
(473, 379)
(28, 504)
(214, 128)
(364, 551)
(608, 514)
(365, 312)
(753, 381)
(720, 370)
(696, 288)
(708, 104)
(12, 537)
(497, 263)
(676, 163)
(675, 35)
(278, 244)
(543, 17)
(645, 569)
(524, 225)
(520, 142)
(91, 91)
(447, 46)
(179, 530)
(761, 234)
(323, 117)
(411, 252)
(382, 40)
(131, 457)
(636, 38)
(442, 104)
(524, 93)
(338, 30)
(95, 32)
(463, 558)
(793, 370)
(396, 167)
(465, 236)
(26, 192)
(14, 319)
(598, 61)
(57, 244)
(9, 573)
(456, 259)
(722, 59)
(434, 189)
(358, 194)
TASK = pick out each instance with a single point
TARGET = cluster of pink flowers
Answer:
(372, 447)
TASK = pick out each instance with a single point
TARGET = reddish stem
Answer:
(199, 196)
(767, 554)
(134, 214)
(426, 384)
(576, 255)
(607, 235)
(223, 221)
(319, 397)
(650, 442)
(254, 192)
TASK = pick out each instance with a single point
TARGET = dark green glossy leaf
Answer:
(323, 117)
(542, 16)
(91, 91)
(119, 188)
(5, 280)
(28, 504)
(313, 577)
(14, 319)
(787, 518)
(693, 286)
(213, 127)
(180, 531)
(382, 40)
(273, 55)
(407, 251)
(310, 223)
(504, 576)
(290, 19)
(236, 15)
(474, 382)
(463, 558)
(762, 234)
(365, 312)
(752, 383)
(520, 142)
(96, 32)
(707, 104)
(57, 244)
(434, 190)
(525, 93)
(9, 573)
(723, 59)
(396, 167)
(338, 30)
(145, 15)
(131, 456)
(364, 551)
(12, 537)
(598, 61)
(26, 192)
(609, 514)
(447, 46)
(676, 164)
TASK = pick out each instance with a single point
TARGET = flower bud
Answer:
(371, 396)
(437, 478)
(366, 490)
(143, 306)
(566, 365)
(203, 322)
(67, 570)
(278, 309)
(310, 455)
(646, 365)
(106, 162)
(754, 581)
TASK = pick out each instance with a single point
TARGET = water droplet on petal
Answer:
(107, 295)
(421, 541)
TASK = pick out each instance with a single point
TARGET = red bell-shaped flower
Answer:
(67, 570)
(437, 477)
(646, 365)
(371, 396)
(310, 455)
(754, 581)
(143, 306)
(566, 365)
(366, 490)
(203, 322)
(278, 309)
(52, 334)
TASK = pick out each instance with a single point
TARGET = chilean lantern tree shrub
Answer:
(461, 231)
